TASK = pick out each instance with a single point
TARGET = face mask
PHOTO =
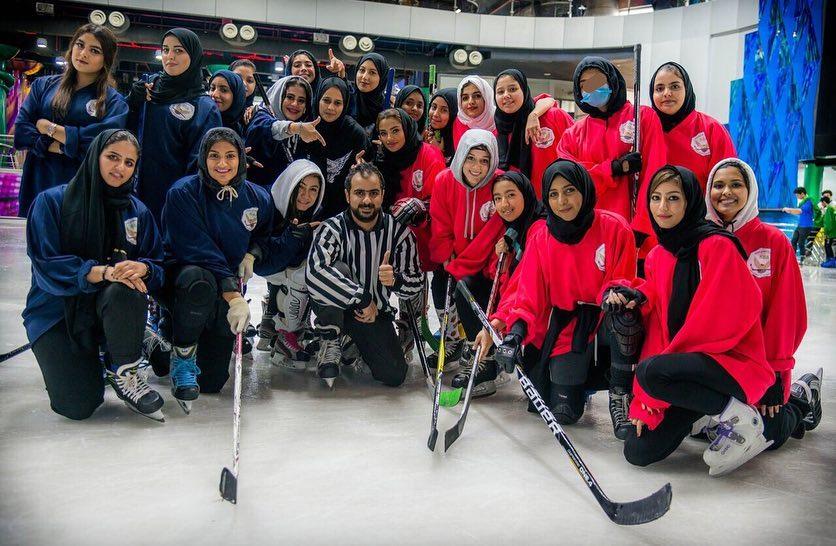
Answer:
(597, 98)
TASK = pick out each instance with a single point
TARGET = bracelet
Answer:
(104, 272)
(50, 131)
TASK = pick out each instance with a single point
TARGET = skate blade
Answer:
(185, 405)
(330, 382)
(154, 415)
(228, 486)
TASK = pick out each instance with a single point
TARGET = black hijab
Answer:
(213, 136)
(369, 105)
(515, 153)
(401, 98)
(232, 116)
(392, 163)
(189, 84)
(573, 231)
(614, 79)
(683, 242)
(317, 76)
(343, 135)
(92, 229)
(448, 94)
(533, 210)
(671, 121)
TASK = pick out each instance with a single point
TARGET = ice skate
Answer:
(739, 439)
(288, 353)
(806, 393)
(406, 340)
(453, 354)
(266, 333)
(619, 407)
(328, 360)
(484, 384)
(184, 372)
(132, 389)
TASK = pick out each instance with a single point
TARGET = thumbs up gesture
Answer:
(386, 273)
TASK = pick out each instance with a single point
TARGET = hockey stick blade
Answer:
(229, 486)
(641, 511)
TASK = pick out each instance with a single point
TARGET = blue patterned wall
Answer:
(772, 107)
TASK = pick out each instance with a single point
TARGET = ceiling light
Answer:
(158, 55)
(365, 44)
(348, 42)
(475, 58)
(116, 19)
(229, 31)
(279, 66)
(97, 17)
(547, 73)
(247, 33)
(41, 43)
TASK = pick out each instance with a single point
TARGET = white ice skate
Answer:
(739, 439)
(132, 389)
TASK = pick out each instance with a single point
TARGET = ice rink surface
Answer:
(351, 466)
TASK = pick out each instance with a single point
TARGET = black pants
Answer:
(799, 240)
(437, 287)
(783, 424)
(272, 304)
(377, 342)
(479, 286)
(197, 317)
(695, 385)
(828, 248)
(74, 382)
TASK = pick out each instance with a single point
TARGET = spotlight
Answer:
(475, 58)
(365, 44)
(460, 56)
(229, 31)
(98, 17)
(117, 19)
(247, 33)
(279, 66)
(61, 61)
(41, 43)
(348, 42)
(158, 55)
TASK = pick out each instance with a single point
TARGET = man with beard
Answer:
(357, 259)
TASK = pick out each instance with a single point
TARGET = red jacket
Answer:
(459, 129)
(554, 274)
(418, 181)
(480, 254)
(698, 143)
(723, 321)
(595, 142)
(784, 315)
(508, 284)
(458, 214)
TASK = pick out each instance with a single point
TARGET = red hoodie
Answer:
(776, 272)
(459, 129)
(595, 142)
(418, 181)
(509, 284)
(723, 321)
(480, 254)
(698, 143)
(555, 274)
(458, 214)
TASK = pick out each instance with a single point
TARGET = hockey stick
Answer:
(447, 398)
(429, 337)
(11, 354)
(455, 431)
(637, 66)
(229, 478)
(441, 357)
(263, 93)
(626, 513)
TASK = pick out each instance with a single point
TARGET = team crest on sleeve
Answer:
(486, 211)
(131, 227)
(601, 257)
(760, 263)
(700, 144)
(627, 132)
(250, 218)
(418, 180)
(546, 138)
(182, 110)
(91, 107)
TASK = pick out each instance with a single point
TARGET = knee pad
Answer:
(125, 295)
(196, 286)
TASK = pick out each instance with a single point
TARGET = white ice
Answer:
(351, 466)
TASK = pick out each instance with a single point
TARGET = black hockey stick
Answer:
(637, 67)
(622, 513)
(455, 431)
(229, 478)
(442, 348)
(419, 343)
(11, 354)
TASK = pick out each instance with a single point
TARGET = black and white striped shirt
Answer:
(340, 239)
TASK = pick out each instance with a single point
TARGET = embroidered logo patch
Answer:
(601, 256)
(760, 263)
(182, 110)
(335, 167)
(546, 138)
(486, 211)
(131, 227)
(250, 218)
(700, 145)
(418, 180)
(91, 107)
(627, 132)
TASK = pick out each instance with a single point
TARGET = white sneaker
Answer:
(739, 438)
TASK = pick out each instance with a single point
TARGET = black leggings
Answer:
(695, 385)
(198, 317)
(74, 382)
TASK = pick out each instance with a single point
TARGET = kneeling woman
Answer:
(697, 359)
(569, 261)
(95, 253)
(216, 224)
(732, 202)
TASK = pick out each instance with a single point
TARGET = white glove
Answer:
(245, 268)
(238, 315)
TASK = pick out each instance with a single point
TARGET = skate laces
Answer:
(184, 371)
(151, 341)
(130, 383)
(725, 434)
(289, 340)
(329, 352)
(618, 407)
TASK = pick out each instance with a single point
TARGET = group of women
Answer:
(611, 257)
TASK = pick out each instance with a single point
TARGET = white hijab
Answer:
(485, 121)
(749, 211)
(469, 140)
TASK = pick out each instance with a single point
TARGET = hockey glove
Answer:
(634, 164)
(410, 211)
(238, 315)
(245, 268)
(630, 294)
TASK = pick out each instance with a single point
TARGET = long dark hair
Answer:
(61, 101)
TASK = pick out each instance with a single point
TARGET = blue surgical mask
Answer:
(597, 98)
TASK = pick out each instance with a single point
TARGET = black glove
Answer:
(774, 395)
(509, 353)
(301, 231)
(631, 294)
(410, 211)
(634, 164)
